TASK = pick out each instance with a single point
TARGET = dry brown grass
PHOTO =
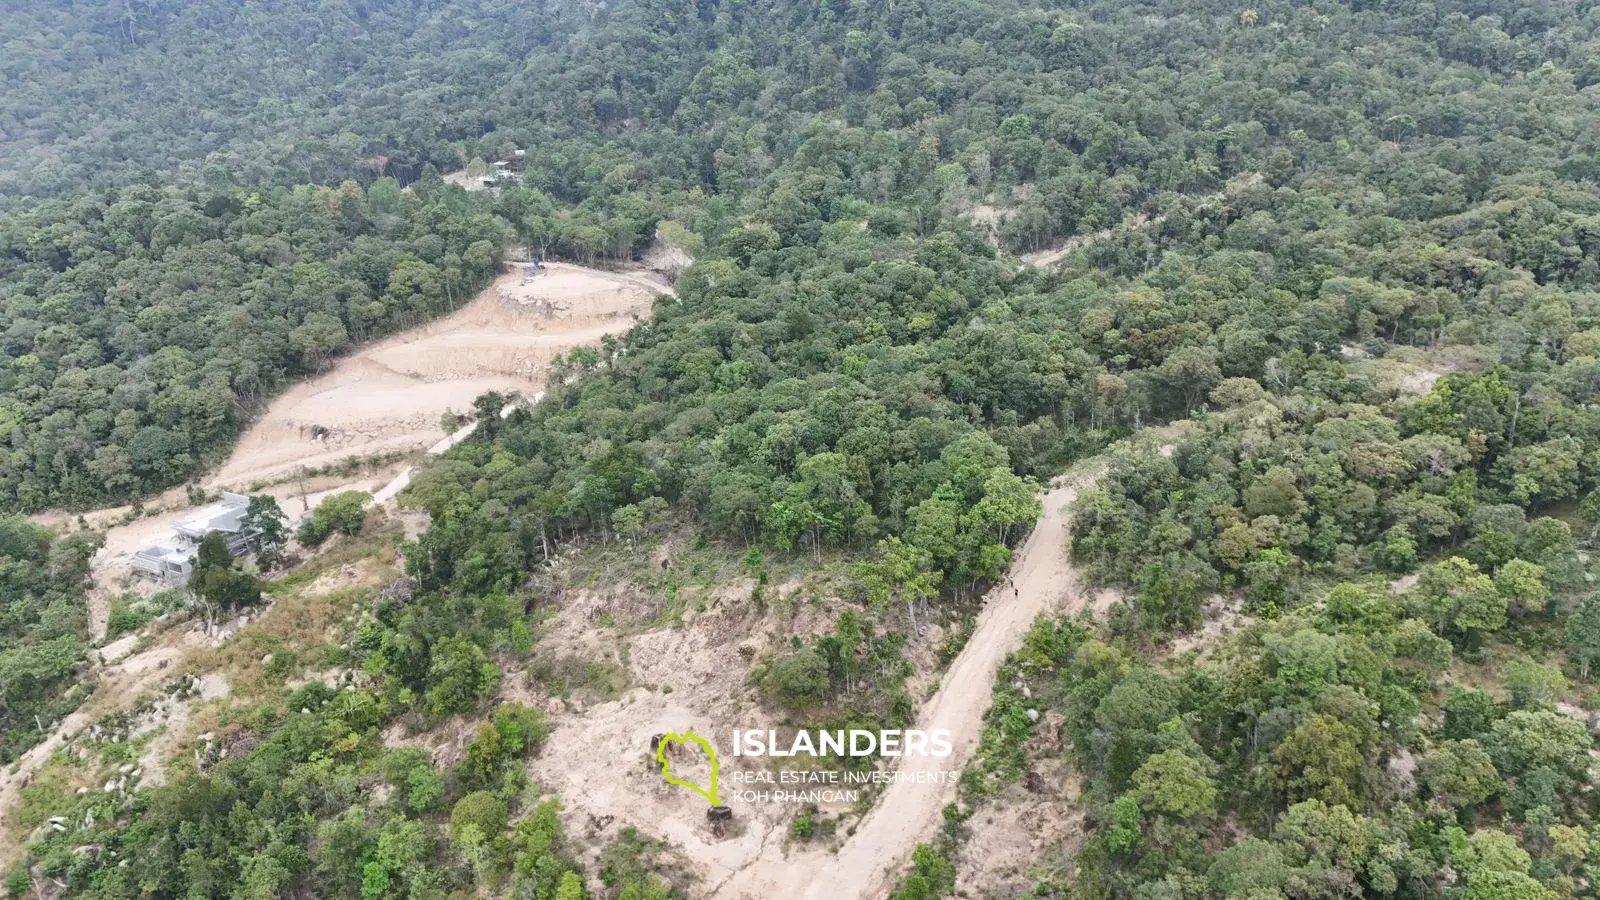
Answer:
(310, 605)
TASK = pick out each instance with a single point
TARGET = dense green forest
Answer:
(142, 327)
(43, 624)
(105, 93)
(1294, 193)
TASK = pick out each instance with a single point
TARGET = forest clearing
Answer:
(386, 397)
(908, 813)
(1188, 413)
(389, 396)
(385, 401)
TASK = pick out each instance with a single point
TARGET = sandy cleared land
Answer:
(389, 396)
(597, 758)
(873, 859)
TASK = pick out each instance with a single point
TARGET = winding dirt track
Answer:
(871, 861)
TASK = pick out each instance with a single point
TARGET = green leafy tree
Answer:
(1529, 739)
(1462, 599)
(460, 675)
(216, 579)
(1176, 784)
(1468, 713)
(902, 573)
(424, 789)
(800, 677)
(1522, 583)
(271, 527)
(1249, 868)
(1320, 758)
(1459, 774)
(1124, 833)
(1583, 634)
(481, 810)
(1532, 685)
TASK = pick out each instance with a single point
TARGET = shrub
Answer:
(343, 513)
(424, 789)
(482, 809)
(800, 677)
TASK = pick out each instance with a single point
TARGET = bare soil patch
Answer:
(390, 395)
(598, 758)
(908, 812)
(988, 219)
(1041, 259)
(1220, 616)
(1032, 829)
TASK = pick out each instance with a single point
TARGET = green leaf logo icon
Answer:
(689, 737)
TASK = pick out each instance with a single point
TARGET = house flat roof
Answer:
(226, 515)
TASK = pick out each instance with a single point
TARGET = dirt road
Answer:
(873, 859)
(403, 479)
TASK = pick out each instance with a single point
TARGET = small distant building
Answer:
(226, 515)
(502, 171)
(164, 562)
(172, 560)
